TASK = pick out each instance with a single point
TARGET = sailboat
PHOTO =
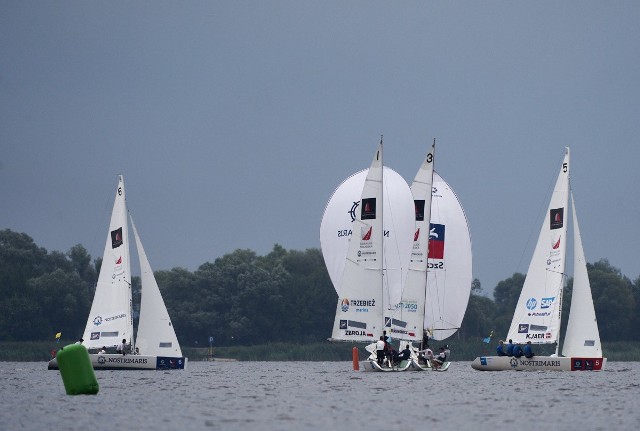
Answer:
(438, 285)
(110, 321)
(375, 257)
(537, 315)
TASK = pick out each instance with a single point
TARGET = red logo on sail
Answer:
(119, 261)
(557, 244)
(416, 235)
(367, 234)
(436, 241)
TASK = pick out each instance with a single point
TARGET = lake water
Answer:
(322, 395)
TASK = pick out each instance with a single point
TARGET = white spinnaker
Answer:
(373, 269)
(408, 318)
(449, 269)
(338, 224)
(110, 319)
(582, 338)
(156, 335)
(537, 314)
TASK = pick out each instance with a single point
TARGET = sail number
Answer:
(119, 191)
(565, 167)
(429, 157)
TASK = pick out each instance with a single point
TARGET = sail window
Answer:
(109, 334)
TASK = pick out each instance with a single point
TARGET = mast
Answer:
(383, 257)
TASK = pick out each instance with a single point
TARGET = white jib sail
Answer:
(582, 338)
(449, 268)
(537, 314)
(408, 319)
(110, 319)
(156, 335)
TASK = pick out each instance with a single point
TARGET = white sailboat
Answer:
(537, 315)
(438, 285)
(375, 257)
(110, 320)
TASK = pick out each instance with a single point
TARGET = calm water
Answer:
(321, 395)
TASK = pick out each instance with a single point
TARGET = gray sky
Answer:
(233, 121)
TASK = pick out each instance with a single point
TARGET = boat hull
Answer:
(370, 365)
(538, 363)
(131, 362)
(418, 366)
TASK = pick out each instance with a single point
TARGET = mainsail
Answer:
(537, 314)
(408, 319)
(110, 319)
(375, 257)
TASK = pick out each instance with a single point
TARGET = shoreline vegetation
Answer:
(35, 351)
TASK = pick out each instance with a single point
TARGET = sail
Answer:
(537, 314)
(449, 267)
(373, 269)
(339, 217)
(582, 338)
(408, 319)
(110, 319)
(156, 335)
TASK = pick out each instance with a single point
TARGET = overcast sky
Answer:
(233, 121)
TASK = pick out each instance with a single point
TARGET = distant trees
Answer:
(242, 298)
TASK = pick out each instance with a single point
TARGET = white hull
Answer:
(370, 365)
(538, 363)
(419, 366)
(131, 362)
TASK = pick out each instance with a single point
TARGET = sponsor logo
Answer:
(483, 360)
(352, 211)
(513, 362)
(436, 265)
(365, 233)
(419, 207)
(346, 303)
(95, 336)
(356, 333)
(101, 360)
(556, 218)
(97, 321)
(344, 307)
(531, 303)
(547, 302)
(119, 316)
(523, 328)
(125, 360)
(344, 232)
(540, 314)
(408, 305)
(343, 324)
(556, 245)
(416, 235)
(116, 238)
(436, 241)
(368, 210)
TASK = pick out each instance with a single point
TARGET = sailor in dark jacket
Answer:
(528, 353)
(510, 348)
(500, 349)
(517, 350)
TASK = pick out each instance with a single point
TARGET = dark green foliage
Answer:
(283, 301)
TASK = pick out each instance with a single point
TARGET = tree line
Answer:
(245, 299)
